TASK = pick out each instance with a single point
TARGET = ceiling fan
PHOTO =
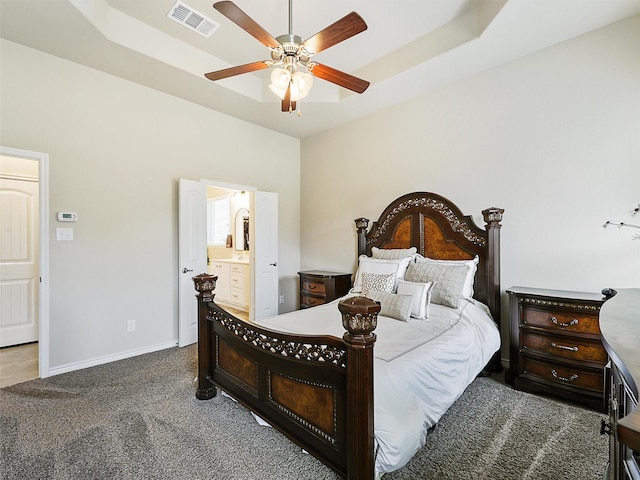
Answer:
(293, 77)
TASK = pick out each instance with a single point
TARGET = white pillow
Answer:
(380, 266)
(378, 281)
(472, 265)
(393, 305)
(421, 293)
(449, 280)
(393, 252)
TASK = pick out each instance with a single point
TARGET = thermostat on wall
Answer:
(67, 217)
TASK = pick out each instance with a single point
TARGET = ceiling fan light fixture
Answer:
(280, 78)
(301, 83)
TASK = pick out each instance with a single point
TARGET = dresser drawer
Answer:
(556, 320)
(313, 286)
(566, 347)
(564, 375)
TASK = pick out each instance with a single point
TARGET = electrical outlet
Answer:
(131, 325)
(281, 298)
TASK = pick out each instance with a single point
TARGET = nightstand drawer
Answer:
(313, 286)
(566, 347)
(308, 301)
(564, 375)
(561, 321)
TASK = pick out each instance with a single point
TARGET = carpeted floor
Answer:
(139, 419)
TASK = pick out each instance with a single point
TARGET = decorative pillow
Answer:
(393, 305)
(421, 293)
(381, 266)
(378, 281)
(449, 280)
(472, 265)
(393, 253)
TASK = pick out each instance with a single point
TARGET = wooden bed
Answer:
(318, 390)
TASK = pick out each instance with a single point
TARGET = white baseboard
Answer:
(70, 367)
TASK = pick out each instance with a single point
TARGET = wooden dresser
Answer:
(620, 325)
(318, 287)
(555, 344)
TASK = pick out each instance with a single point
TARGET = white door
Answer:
(192, 254)
(265, 246)
(19, 277)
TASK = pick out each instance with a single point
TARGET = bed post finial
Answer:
(361, 226)
(493, 217)
(205, 284)
(360, 318)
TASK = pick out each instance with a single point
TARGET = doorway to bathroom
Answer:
(230, 231)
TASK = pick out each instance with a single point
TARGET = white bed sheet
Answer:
(421, 367)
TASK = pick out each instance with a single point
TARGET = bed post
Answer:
(493, 217)
(361, 226)
(360, 318)
(205, 284)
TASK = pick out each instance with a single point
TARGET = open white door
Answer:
(265, 278)
(192, 254)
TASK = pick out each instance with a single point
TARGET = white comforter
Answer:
(421, 367)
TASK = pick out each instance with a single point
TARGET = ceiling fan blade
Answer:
(340, 78)
(230, 72)
(244, 21)
(346, 27)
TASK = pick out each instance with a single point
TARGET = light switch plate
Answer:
(64, 234)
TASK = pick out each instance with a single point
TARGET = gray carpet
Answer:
(138, 419)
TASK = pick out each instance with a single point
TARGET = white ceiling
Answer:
(410, 48)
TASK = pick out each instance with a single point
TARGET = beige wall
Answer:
(116, 150)
(553, 138)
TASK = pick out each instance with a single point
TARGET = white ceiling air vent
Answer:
(191, 19)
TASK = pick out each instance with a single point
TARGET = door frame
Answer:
(43, 251)
(246, 188)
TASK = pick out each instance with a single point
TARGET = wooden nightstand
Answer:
(318, 287)
(555, 344)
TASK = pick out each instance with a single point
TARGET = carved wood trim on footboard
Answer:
(318, 390)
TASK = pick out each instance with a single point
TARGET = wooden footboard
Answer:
(318, 391)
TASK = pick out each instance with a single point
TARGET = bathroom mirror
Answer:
(242, 230)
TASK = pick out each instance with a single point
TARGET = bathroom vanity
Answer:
(233, 287)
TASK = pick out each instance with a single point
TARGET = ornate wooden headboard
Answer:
(439, 230)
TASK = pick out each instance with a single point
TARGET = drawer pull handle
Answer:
(311, 286)
(564, 379)
(564, 347)
(556, 322)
